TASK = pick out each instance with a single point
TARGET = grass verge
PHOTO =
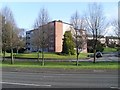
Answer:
(108, 49)
(64, 65)
(49, 56)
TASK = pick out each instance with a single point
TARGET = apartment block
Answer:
(53, 36)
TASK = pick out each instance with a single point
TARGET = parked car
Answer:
(117, 54)
(98, 54)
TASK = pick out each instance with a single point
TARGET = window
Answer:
(28, 48)
(27, 37)
(27, 43)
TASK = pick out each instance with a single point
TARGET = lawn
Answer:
(6, 54)
(65, 65)
(108, 49)
(50, 56)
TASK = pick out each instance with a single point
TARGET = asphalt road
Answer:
(59, 80)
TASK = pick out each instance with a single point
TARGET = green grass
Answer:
(6, 54)
(51, 56)
(65, 65)
(108, 49)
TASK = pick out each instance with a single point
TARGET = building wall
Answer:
(27, 40)
(51, 39)
(102, 40)
(84, 40)
(66, 27)
(58, 36)
(55, 32)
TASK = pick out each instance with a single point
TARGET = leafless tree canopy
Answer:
(42, 19)
(116, 24)
(7, 13)
(11, 33)
(78, 24)
(95, 19)
(0, 22)
(77, 21)
(0, 32)
(40, 32)
(96, 24)
(40, 28)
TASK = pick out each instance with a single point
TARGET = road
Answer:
(59, 80)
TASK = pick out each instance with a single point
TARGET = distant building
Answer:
(101, 38)
(107, 40)
(112, 39)
(55, 33)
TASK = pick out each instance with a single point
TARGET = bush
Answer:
(100, 47)
(68, 44)
(112, 45)
(58, 53)
(90, 49)
(118, 49)
(21, 50)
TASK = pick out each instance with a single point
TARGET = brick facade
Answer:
(55, 31)
(58, 36)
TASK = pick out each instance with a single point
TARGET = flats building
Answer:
(53, 37)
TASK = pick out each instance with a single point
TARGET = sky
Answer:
(25, 13)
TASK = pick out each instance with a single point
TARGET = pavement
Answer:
(61, 78)
(95, 79)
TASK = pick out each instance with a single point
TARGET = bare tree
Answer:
(0, 34)
(8, 30)
(41, 27)
(116, 24)
(78, 24)
(20, 41)
(96, 23)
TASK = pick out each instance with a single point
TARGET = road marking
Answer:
(98, 70)
(115, 88)
(25, 84)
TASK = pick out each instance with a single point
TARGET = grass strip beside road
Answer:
(63, 65)
(49, 56)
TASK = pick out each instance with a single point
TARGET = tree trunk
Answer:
(76, 48)
(17, 51)
(3, 56)
(38, 56)
(94, 48)
(43, 53)
(12, 60)
(77, 59)
(43, 58)
(94, 56)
